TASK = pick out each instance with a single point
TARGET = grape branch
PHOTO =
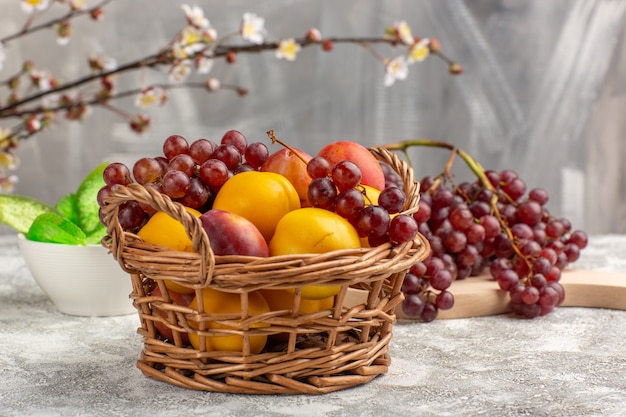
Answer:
(487, 224)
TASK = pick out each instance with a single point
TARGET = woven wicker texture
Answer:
(310, 353)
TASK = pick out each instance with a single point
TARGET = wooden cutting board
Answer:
(480, 296)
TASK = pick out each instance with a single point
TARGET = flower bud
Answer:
(434, 45)
(27, 66)
(97, 14)
(32, 124)
(455, 69)
(14, 83)
(313, 35)
(212, 84)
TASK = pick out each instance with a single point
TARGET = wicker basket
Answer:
(333, 349)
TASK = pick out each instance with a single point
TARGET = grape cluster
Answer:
(188, 173)
(493, 226)
(339, 189)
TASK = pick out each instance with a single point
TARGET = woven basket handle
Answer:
(161, 202)
(402, 168)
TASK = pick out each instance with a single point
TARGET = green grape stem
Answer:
(474, 166)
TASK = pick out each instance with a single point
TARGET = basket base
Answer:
(272, 384)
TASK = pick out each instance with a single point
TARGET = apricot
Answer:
(261, 197)
(373, 174)
(214, 302)
(313, 230)
(232, 234)
(288, 164)
(162, 229)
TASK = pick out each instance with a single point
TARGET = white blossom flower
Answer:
(44, 80)
(151, 96)
(252, 28)
(180, 71)
(5, 161)
(8, 161)
(30, 6)
(100, 63)
(287, 49)
(209, 35)
(7, 184)
(402, 30)
(195, 16)
(396, 69)
(3, 55)
(190, 41)
(419, 51)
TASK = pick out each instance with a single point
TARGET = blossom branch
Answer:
(73, 13)
(195, 47)
(166, 58)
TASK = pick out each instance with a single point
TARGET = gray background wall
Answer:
(543, 91)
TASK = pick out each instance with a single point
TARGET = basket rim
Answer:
(226, 270)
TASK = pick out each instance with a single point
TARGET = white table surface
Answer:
(569, 363)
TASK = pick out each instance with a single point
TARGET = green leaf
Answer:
(87, 207)
(54, 228)
(66, 207)
(19, 212)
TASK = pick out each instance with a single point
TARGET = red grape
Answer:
(256, 154)
(429, 313)
(346, 175)
(349, 203)
(539, 195)
(461, 218)
(175, 183)
(373, 221)
(322, 193)
(131, 216)
(403, 228)
(236, 139)
(147, 170)
(422, 215)
(529, 212)
(175, 145)
(507, 279)
(444, 300)
(413, 305)
(214, 173)
(318, 167)
(228, 154)
(392, 199)
(201, 150)
(411, 284)
(116, 173)
(197, 194)
(183, 162)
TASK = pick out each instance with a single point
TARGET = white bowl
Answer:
(79, 280)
